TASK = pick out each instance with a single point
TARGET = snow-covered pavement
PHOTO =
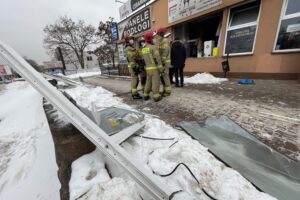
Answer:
(27, 159)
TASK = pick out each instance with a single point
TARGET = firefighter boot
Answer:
(137, 96)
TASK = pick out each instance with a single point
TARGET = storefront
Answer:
(261, 37)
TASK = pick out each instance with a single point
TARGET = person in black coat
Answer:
(178, 57)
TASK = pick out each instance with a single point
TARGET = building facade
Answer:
(90, 61)
(260, 38)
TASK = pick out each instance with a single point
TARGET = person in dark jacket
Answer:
(178, 56)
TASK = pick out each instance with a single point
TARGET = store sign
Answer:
(293, 28)
(130, 6)
(114, 32)
(179, 9)
(122, 56)
(136, 24)
(240, 40)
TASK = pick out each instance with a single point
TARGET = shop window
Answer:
(242, 27)
(196, 33)
(288, 36)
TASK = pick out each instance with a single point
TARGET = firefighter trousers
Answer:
(143, 76)
(152, 83)
(166, 81)
(134, 81)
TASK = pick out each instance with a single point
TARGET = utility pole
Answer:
(61, 58)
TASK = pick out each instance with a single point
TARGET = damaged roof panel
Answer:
(266, 168)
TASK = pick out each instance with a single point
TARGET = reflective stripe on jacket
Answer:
(164, 51)
(131, 54)
(151, 57)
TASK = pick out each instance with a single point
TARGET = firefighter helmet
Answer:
(149, 36)
(162, 31)
(127, 37)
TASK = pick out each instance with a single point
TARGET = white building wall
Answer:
(90, 62)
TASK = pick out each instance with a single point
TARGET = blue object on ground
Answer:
(246, 81)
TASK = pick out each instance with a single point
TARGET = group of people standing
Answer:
(150, 64)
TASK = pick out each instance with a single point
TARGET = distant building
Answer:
(90, 62)
(53, 67)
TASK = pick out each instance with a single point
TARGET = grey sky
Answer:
(22, 21)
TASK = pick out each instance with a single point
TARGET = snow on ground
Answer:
(204, 78)
(92, 181)
(90, 171)
(161, 157)
(84, 74)
(27, 158)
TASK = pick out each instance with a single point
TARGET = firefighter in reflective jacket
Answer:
(165, 54)
(132, 66)
(141, 63)
(153, 67)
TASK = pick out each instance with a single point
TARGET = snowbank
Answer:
(84, 74)
(204, 78)
(27, 158)
(161, 157)
(90, 180)
(95, 98)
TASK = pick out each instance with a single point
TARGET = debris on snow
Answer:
(162, 156)
(204, 78)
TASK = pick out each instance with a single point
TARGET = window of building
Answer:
(288, 35)
(89, 58)
(242, 28)
(196, 32)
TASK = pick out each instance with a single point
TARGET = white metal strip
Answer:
(97, 136)
(63, 79)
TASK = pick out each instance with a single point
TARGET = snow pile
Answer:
(90, 180)
(204, 78)
(27, 160)
(161, 157)
(84, 74)
(89, 172)
(95, 98)
(115, 189)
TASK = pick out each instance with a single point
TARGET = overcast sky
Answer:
(22, 21)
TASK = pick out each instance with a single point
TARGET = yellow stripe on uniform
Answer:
(146, 50)
(151, 68)
(157, 95)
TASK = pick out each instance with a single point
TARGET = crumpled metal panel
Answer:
(266, 168)
(113, 120)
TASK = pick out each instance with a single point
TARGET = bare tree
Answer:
(34, 64)
(105, 52)
(70, 36)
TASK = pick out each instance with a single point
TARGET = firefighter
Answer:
(153, 67)
(141, 62)
(165, 54)
(132, 66)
